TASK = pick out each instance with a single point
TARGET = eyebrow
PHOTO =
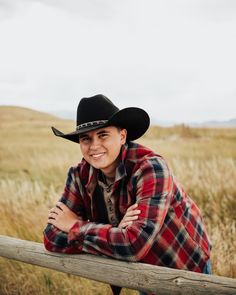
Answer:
(98, 133)
(83, 135)
(103, 131)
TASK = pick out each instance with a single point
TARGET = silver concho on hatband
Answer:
(92, 123)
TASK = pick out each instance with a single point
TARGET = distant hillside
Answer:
(210, 124)
(15, 113)
(216, 124)
(23, 119)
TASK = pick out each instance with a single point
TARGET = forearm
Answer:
(56, 240)
(130, 244)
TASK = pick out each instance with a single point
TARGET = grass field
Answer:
(34, 164)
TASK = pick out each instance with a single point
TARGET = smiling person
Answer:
(122, 200)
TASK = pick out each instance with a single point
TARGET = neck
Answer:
(110, 172)
(109, 177)
(105, 179)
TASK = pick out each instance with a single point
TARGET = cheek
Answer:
(83, 150)
(115, 149)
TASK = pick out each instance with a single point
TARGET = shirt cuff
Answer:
(76, 233)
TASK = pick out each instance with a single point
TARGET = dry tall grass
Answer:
(34, 164)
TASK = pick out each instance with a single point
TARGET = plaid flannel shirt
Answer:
(169, 231)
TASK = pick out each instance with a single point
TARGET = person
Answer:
(122, 200)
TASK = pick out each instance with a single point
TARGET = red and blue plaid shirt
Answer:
(169, 231)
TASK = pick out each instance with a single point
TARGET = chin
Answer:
(98, 166)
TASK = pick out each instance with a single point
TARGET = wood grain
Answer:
(138, 276)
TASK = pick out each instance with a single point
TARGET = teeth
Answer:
(97, 155)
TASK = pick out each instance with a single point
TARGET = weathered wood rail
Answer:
(138, 276)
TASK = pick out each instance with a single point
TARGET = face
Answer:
(101, 148)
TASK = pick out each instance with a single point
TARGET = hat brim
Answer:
(135, 120)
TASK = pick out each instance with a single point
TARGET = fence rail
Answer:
(138, 276)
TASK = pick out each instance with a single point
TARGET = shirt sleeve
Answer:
(152, 184)
(56, 240)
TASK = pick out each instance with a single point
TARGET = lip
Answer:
(97, 155)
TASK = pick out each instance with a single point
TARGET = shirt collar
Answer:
(120, 170)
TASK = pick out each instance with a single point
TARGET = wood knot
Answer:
(177, 281)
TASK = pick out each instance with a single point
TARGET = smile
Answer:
(97, 156)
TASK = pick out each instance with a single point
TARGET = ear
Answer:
(123, 134)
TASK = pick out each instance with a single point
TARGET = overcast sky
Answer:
(176, 59)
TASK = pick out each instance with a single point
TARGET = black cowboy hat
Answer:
(98, 111)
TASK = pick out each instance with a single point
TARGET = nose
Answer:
(95, 143)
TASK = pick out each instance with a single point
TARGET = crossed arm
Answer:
(136, 233)
(63, 218)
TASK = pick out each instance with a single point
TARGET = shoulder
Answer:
(81, 171)
(140, 154)
(137, 151)
(143, 159)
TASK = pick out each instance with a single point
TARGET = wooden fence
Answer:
(138, 276)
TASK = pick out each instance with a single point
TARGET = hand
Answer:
(62, 217)
(130, 215)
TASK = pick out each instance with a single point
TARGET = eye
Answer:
(84, 139)
(103, 135)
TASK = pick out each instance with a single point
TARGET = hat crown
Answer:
(95, 108)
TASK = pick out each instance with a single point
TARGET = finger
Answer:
(132, 207)
(125, 224)
(130, 218)
(60, 205)
(133, 212)
(127, 220)
(55, 210)
(52, 215)
(51, 221)
(52, 209)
